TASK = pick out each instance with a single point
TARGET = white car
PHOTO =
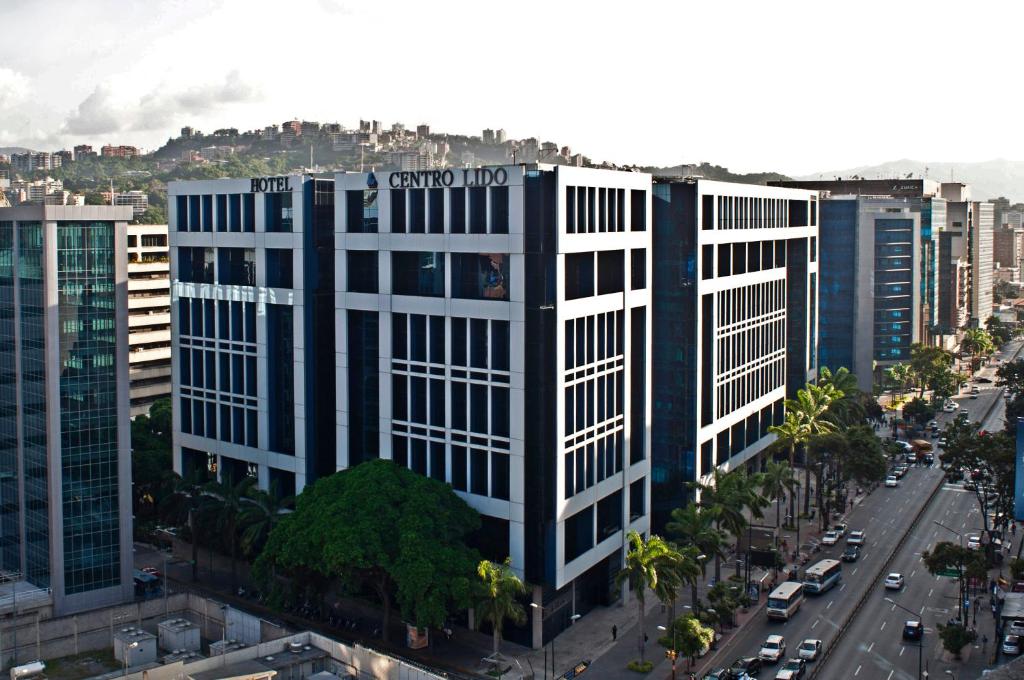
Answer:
(855, 538)
(891, 481)
(792, 670)
(949, 407)
(894, 581)
(1015, 628)
(773, 649)
(809, 649)
(974, 542)
(830, 538)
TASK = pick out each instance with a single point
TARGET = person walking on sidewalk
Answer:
(615, 632)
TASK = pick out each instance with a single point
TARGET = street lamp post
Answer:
(572, 620)
(674, 652)
(920, 622)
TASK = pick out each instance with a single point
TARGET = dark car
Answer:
(912, 630)
(719, 674)
(851, 553)
(983, 379)
(750, 665)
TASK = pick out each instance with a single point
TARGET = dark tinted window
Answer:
(417, 273)
(362, 271)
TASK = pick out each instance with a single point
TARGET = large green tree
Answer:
(647, 562)
(259, 517)
(379, 524)
(498, 598)
(225, 501)
(152, 471)
(967, 563)
(694, 525)
(687, 636)
(865, 461)
(978, 343)
(928, 365)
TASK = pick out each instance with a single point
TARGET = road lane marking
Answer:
(902, 649)
(870, 646)
(814, 624)
(912, 573)
(890, 674)
(841, 587)
(893, 608)
(829, 604)
(857, 671)
(883, 626)
(930, 591)
(854, 571)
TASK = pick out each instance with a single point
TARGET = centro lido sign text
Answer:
(471, 177)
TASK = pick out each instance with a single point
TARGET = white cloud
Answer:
(96, 115)
(14, 87)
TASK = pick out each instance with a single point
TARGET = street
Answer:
(872, 646)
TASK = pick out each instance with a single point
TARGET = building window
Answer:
(480, 276)
(362, 211)
(459, 465)
(610, 271)
(609, 516)
(638, 210)
(579, 534)
(638, 269)
(500, 475)
(478, 210)
(236, 266)
(579, 275)
(499, 210)
(637, 500)
(417, 273)
(195, 265)
(417, 211)
(457, 210)
(279, 268)
(362, 271)
(181, 213)
(279, 211)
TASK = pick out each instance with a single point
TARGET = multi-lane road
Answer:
(872, 645)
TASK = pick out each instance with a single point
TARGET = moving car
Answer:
(894, 581)
(809, 649)
(772, 649)
(839, 529)
(750, 665)
(942, 442)
(892, 482)
(794, 669)
(830, 538)
(855, 538)
(949, 407)
(851, 554)
(974, 542)
(964, 413)
(983, 379)
(975, 390)
(912, 630)
(1011, 644)
(928, 459)
(720, 674)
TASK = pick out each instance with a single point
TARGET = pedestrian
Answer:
(615, 632)
(992, 586)
(984, 642)
(1013, 528)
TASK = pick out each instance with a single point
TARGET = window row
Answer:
(732, 441)
(236, 425)
(603, 272)
(747, 212)
(592, 463)
(216, 212)
(751, 385)
(464, 210)
(475, 407)
(199, 369)
(604, 332)
(592, 402)
(475, 343)
(743, 257)
(591, 210)
(235, 266)
(475, 276)
(747, 303)
(233, 320)
(469, 469)
(751, 344)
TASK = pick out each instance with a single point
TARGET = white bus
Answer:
(785, 600)
(823, 575)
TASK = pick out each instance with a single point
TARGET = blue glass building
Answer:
(65, 468)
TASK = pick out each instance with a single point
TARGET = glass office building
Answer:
(65, 469)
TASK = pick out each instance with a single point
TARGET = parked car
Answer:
(892, 482)
(772, 649)
(830, 538)
(912, 630)
(974, 542)
(839, 529)
(1015, 628)
(1011, 644)
(983, 379)
(851, 554)
(794, 669)
(855, 538)
(894, 581)
(928, 459)
(975, 390)
(809, 649)
(964, 413)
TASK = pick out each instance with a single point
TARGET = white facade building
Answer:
(149, 315)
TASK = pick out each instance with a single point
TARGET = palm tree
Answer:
(811, 406)
(185, 503)
(647, 562)
(225, 502)
(978, 343)
(776, 480)
(791, 434)
(260, 516)
(846, 410)
(900, 375)
(501, 589)
(694, 526)
(718, 499)
(687, 572)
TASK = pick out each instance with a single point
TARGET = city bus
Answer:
(823, 575)
(785, 600)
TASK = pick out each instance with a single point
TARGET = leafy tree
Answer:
(791, 434)
(928, 364)
(825, 452)
(847, 409)
(689, 636)
(498, 600)
(969, 565)
(865, 462)
(725, 598)
(992, 455)
(152, 215)
(379, 524)
(647, 562)
(776, 480)
(917, 409)
(955, 637)
(1011, 376)
(811, 407)
(998, 331)
(185, 503)
(900, 375)
(978, 343)
(152, 473)
(225, 503)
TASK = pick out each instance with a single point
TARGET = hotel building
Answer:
(735, 316)
(65, 465)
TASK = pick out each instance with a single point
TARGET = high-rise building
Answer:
(735, 322)
(32, 161)
(975, 222)
(488, 136)
(1008, 250)
(500, 137)
(121, 151)
(149, 316)
(137, 200)
(84, 151)
(422, 131)
(66, 522)
(487, 327)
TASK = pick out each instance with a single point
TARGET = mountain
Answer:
(8, 150)
(988, 179)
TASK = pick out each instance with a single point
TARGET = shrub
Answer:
(640, 666)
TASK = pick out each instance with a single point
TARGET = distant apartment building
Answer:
(138, 201)
(84, 151)
(500, 137)
(973, 221)
(488, 136)
(34, 160)
(735, 286)
(65, 461)
(1013, 219)
(422, 131)
(121, 151)
(149, 316)
(410, 160)
(1008, 251)
(188, 132)
(63, 158)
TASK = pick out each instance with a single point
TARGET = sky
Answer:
(794, 87)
